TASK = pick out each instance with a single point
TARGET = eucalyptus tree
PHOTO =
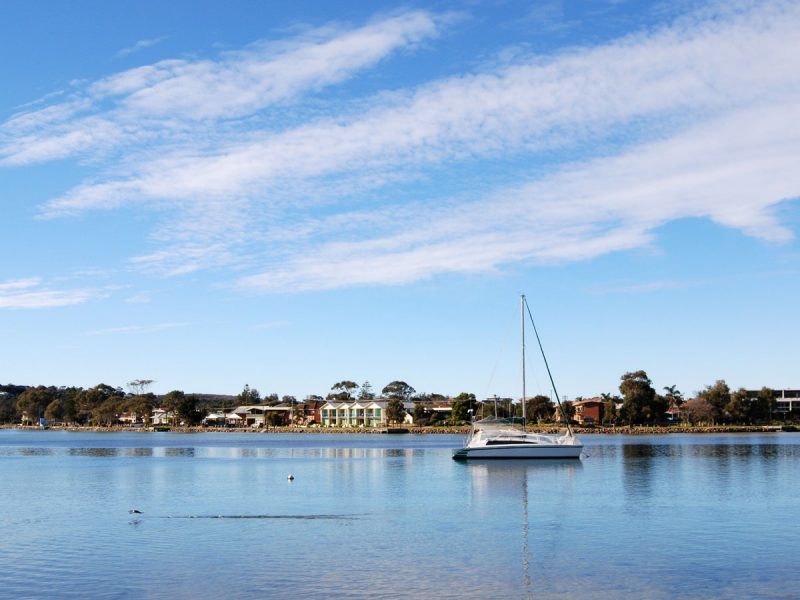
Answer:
(54, 412)
(398, 389)
(343, 391)
(33, 402)
(89, 402)
(639, 397)
(137, 387)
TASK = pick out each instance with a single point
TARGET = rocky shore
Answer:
(621, 430)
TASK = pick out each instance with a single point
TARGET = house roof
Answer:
(588, 401)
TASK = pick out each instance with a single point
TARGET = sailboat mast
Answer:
(547, 366)
(522, 314)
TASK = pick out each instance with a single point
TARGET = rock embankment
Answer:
(622, 430)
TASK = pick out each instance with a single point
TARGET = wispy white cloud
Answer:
(140, 45)
(733, 170)
(135, 329)
(30, 293)
(167, 99)
(678, 74)
(19, 284)
(687, 121)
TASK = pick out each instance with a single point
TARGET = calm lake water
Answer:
(383, 516)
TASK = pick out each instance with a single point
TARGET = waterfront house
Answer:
(261, 415)
(311, 413)
(589, 411)
(160, 416)
(371, 413)
(130, 419)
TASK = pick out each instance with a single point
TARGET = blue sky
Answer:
(290, 194)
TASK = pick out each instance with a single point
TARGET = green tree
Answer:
(188, 410)
(183, 407)
(398, 389)
(343, 391)
(54, 413)
(88, 401)
(71, 397)
(420, 413)
(718, 396)
(736, 410)
(106, 413)
(461, 407)
(395, 411)
(366, 394)
(274, 418)
(610, 412)
(141, 405)
(673, 396)
(638, 397)
(33, 402)
(171, 401)
(138, 387)
(539, 408)
(248, 396)
(8, 402)
(762, 407)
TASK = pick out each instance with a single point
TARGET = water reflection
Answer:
(179, 452)
(99, 452)
(35, 451)
(637, 469)
(510, 479)
(497, 474)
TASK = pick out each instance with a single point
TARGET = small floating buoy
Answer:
(290, 477)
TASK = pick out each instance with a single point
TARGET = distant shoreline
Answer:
(620, 430)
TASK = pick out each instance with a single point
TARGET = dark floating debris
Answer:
(296, 517)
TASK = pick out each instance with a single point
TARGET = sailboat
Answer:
(508, 438)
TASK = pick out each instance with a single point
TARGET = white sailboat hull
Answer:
(492, 443)
(519, 451)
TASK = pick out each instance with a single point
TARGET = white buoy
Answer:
(290, 477)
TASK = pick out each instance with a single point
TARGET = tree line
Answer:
(640, 403)
(637, 403)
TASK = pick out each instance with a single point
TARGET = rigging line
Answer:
(500, 353)
(549, 374)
